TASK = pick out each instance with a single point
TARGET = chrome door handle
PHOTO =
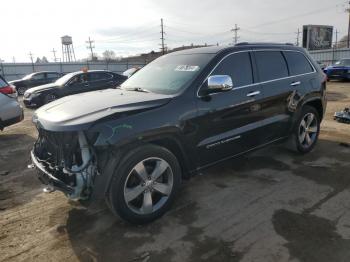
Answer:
(255, 93)
(296, 83)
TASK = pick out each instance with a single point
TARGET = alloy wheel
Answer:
(308, 130)
(148, 186)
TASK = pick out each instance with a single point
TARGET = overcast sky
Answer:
(130, 27)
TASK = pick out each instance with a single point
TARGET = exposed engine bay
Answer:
(66, 162)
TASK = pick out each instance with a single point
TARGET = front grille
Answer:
(58, 150)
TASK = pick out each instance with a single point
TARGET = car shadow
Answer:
(188, 231)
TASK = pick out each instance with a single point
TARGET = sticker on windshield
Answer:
(187, 68)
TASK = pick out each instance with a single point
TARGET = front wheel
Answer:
(49, 98)
(306, 131)
(145, 184)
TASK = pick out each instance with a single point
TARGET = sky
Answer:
(130, 27)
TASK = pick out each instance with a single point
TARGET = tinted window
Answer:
(2, 83)
(238, 67)
(52, 75)
(38, 76)
(271, 65)
(297, 63)
(99, 76)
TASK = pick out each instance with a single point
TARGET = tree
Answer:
(44, 60)
(109, 55)
(38, 60)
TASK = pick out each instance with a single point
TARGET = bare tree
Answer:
(109, 55)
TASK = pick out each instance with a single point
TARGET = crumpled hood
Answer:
(41, 88)
(79, 112)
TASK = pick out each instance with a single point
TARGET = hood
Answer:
(79, 112)
(41, 88)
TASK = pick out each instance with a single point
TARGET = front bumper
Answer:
(47, 178)
(31, 101)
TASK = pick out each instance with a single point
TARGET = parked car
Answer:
(322, 65)
(131, 71)
(35, 79)
(73, 83)
(340, 70)
(179, 114)
(11, 111)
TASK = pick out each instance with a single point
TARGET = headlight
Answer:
(27, 94)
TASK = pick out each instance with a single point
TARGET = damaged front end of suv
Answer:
(66, 161)
(76, 136)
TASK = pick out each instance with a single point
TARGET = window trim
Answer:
(257, 83)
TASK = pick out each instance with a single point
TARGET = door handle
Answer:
(255, 93)
(86, 85)
(296, 83)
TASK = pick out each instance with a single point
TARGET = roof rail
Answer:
(261, 43)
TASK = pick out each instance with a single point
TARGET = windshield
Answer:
(64, 79)
(168, 74)
(343, 62)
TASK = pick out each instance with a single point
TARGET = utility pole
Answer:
(235, 30)
(162, 36)
(90, 46)
(2, 67)
(31, 59)
(54, 54)
(298, 37)
(336, 38)
(348, 10)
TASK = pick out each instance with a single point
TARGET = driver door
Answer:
(229, 121)
(78, 84)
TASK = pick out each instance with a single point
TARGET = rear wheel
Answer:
(145, 184)
(306, 131)
(21, 90)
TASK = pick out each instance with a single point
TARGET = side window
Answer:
(38, 76)
(297, 63)
(2, 83)
(52, 75)
(239, 67)
(271, 65)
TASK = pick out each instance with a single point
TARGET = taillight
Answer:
(9, 91)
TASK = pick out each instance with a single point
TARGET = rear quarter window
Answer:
(271, 65)
(297, 63)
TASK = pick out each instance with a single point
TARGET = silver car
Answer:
(11, 111)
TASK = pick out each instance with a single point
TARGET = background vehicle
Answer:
(340, 70)
(73, 83)
(181, 113)
(35, 79)
(10, 110)
(131, 71)
(322, 65)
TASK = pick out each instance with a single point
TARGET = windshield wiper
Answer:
(137, 89)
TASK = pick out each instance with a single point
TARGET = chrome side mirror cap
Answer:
(217, 83)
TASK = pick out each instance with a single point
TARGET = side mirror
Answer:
(219, 83)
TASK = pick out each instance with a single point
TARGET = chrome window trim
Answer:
(258, 83)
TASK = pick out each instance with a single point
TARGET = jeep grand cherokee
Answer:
(181, 113)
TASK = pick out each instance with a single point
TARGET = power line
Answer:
(235, 30)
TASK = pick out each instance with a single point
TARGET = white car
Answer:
(11, 111)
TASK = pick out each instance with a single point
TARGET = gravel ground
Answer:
(271, 205)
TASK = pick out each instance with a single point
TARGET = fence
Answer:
(13, 71)
(330, 56)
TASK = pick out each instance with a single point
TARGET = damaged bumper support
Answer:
(75, 180)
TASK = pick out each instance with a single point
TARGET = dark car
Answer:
(34, 79)
(73, 83)
(179, 114)
(340, 70)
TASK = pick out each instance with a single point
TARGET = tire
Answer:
(21, 90)
(136, 196)
(305, 133)
(49, 98)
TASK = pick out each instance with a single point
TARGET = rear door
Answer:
(51, 77)
(228, 122)
(37, 80)
(281, 89)
(100, 80)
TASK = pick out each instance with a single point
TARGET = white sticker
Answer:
(187, 68)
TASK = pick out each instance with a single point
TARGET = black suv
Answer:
(35, 79)
(181, 113)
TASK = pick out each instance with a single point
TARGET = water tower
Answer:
(68, 54)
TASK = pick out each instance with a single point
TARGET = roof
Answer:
(217, 49)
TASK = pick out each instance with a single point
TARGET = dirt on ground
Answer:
(271, 205)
